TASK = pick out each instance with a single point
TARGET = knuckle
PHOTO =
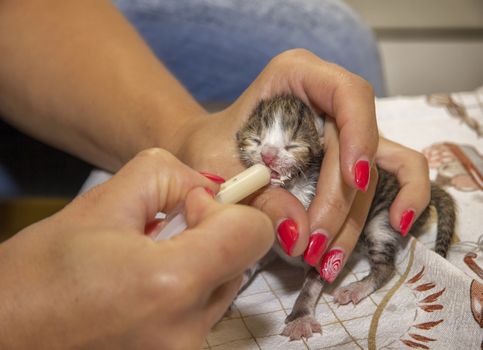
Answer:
(155, 153)
(291, 56)
(336, 204)
(181, 288)
(155, 158)
(422, 161)
(418, 161)
(298, 53)
(364, 86)
(356, 82)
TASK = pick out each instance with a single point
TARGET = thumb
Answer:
(152, 181)
(285, 210)
(224, 239)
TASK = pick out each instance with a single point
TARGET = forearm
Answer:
(76, 75)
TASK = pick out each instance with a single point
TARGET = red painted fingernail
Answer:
(210, 192)
(215, 178)
(152, 226)
(316, 247)
(331, 264)
(407, 218)
(287, 235)
(361, 174)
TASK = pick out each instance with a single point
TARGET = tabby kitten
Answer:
(286, 135)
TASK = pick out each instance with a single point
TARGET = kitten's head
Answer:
(282, 133)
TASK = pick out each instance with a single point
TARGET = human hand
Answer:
(338, 212)
(344, 97)
(88, 277)
(411, 170)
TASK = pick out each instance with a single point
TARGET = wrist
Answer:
(175, 125)
(159, 124)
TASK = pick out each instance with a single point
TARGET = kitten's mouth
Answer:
(274, 175)
(277, 179)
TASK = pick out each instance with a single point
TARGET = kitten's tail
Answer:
(446, 210)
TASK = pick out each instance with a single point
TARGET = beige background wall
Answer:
(427, 45)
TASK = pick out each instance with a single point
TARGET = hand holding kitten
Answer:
(347, 100)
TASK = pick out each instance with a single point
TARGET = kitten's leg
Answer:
(301, 322)
(382, 242)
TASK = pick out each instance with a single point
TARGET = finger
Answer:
(348, 99)
(151, 182)
(342, 246)
(226, 239)
(412, 172)
(332, 201)
(220, 300)
(288, 217)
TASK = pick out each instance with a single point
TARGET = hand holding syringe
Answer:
(232, 191)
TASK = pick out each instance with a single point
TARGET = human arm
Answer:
(76, 75)
(88, 277)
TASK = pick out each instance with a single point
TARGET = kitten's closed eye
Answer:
(256, 141)
(294, 146)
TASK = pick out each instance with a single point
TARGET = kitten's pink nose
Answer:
(268, 159)
(269, 155)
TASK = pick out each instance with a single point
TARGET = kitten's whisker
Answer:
(277, 182)
(299, 169)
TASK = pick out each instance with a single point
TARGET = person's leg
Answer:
(218, 47)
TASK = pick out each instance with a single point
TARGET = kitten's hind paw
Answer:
(302, 327)
(354, 292)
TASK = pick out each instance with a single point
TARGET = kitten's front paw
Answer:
(302, 327)
(354, 292)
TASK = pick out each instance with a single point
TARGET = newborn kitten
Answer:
(286, 135)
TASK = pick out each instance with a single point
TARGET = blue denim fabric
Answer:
(216, 48)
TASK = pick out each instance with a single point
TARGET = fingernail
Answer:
(407, 218)
(210, 192)
(215, 178)
(361, 174)
(331, 264)
(287, 235)
(151, 226)
(316, 247)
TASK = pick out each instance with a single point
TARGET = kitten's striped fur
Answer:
(290, 126)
